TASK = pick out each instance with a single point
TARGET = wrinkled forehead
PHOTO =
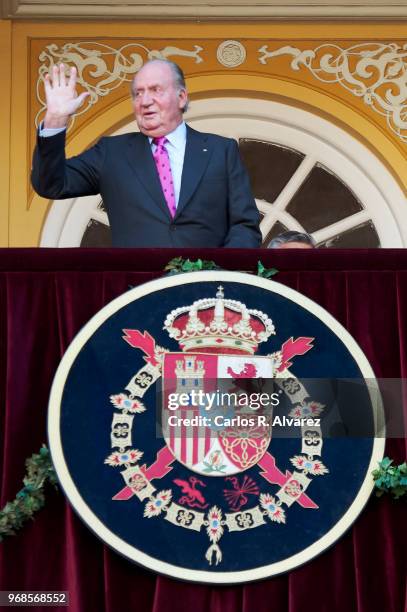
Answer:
(295, 245)
(152, 75)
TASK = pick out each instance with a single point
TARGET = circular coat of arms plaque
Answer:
(215, 427)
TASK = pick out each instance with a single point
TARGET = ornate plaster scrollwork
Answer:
(375, 72)
(106, 66)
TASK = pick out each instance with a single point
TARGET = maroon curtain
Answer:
(47, 295)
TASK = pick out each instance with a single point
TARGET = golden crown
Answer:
(218, 325)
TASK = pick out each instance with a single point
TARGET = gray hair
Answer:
(291, 236)
(179, 78)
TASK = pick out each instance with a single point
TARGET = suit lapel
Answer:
(142, 163)
(197, 155)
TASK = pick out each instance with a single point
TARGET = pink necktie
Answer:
(162, 161)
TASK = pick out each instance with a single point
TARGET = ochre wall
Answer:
(24, 51)
(5, 100)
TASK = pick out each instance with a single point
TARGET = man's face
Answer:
(157, 103)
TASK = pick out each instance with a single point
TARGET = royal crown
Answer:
(217, 324)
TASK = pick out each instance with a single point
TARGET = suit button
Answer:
(173, 228)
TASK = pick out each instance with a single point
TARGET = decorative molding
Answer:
(108, 67)
(231, 53)
(375, 72)
(197, 9)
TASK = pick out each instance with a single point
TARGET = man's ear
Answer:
(183, 98)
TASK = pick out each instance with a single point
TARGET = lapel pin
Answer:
(205, 150)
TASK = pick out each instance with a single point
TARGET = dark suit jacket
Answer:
(216, 207)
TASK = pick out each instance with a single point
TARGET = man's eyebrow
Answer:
(157, 84)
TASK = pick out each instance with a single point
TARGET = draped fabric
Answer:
(47, 295)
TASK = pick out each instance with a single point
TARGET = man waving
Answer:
(167, 186)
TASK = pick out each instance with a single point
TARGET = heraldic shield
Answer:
(193, 426)
(229, 442)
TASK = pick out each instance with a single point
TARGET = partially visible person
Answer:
(167, 186)
(292, 240)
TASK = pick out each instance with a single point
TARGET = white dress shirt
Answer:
(175, 146)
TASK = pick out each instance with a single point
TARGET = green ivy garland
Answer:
(390, 478)
(31, 497)
(179, 265)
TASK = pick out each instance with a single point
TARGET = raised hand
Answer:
(61, 97)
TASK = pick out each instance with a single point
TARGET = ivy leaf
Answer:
(390, 478)
(189, 266)
(398, 491)
(385, 463)
(265, 272)
(173, 264)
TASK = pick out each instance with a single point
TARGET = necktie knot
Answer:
(161, 141)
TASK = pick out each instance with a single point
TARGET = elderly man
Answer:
(167, 186)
